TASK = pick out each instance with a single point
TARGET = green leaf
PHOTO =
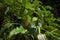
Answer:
(17, 30)
(49, 7)
(34, 19)
(8, 24)
(27, 4)
(36, 3)
(10, 2)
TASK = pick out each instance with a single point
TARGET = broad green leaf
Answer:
(8, 24)
(34, 19)
(17, 30)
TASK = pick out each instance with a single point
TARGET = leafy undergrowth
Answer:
(27, 20)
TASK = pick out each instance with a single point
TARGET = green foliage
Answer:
(36, 20)
(17, 30)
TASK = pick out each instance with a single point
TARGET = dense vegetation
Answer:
(28, 20)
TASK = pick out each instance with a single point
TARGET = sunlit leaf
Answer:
(34, 19)
(17, 30)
